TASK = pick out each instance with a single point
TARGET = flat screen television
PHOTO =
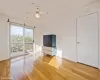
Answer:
(47, 40)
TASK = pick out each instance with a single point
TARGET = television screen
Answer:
(47, 40)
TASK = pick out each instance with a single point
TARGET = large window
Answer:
(16, 39)
(21, 39)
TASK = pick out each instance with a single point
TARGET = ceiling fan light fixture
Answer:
(37, 15)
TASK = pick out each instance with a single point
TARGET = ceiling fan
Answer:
(38, 13)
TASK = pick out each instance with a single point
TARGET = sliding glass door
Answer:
(28, 40)
(21, 40)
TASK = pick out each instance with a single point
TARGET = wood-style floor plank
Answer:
(46, 68)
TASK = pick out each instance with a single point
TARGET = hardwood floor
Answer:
(46, 68)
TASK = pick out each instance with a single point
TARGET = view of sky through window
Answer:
(17, 30)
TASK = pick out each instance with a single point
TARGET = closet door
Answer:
(87, 40)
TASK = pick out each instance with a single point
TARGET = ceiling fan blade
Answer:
(43, 12)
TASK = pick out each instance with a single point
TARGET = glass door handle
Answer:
(78, 42)
(33, 41)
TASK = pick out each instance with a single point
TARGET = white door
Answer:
(87, 40)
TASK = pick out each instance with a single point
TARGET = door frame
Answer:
(98, 36)
(9, 36)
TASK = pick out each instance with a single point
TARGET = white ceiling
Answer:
(24, 8)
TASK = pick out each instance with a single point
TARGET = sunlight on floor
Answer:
(55, 62)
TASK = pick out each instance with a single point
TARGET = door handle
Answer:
(78, 42)
(33, 41)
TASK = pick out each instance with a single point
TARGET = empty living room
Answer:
(49, 39)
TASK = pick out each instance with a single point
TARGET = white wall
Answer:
(4, 49)
(65, 31)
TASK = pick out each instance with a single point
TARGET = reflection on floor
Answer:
(46, 68)
(18, 54)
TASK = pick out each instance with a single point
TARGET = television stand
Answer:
(49, 50)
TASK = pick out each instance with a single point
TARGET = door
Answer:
(17, 38)
(28, 40)
(21, 40)
(87, 40)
